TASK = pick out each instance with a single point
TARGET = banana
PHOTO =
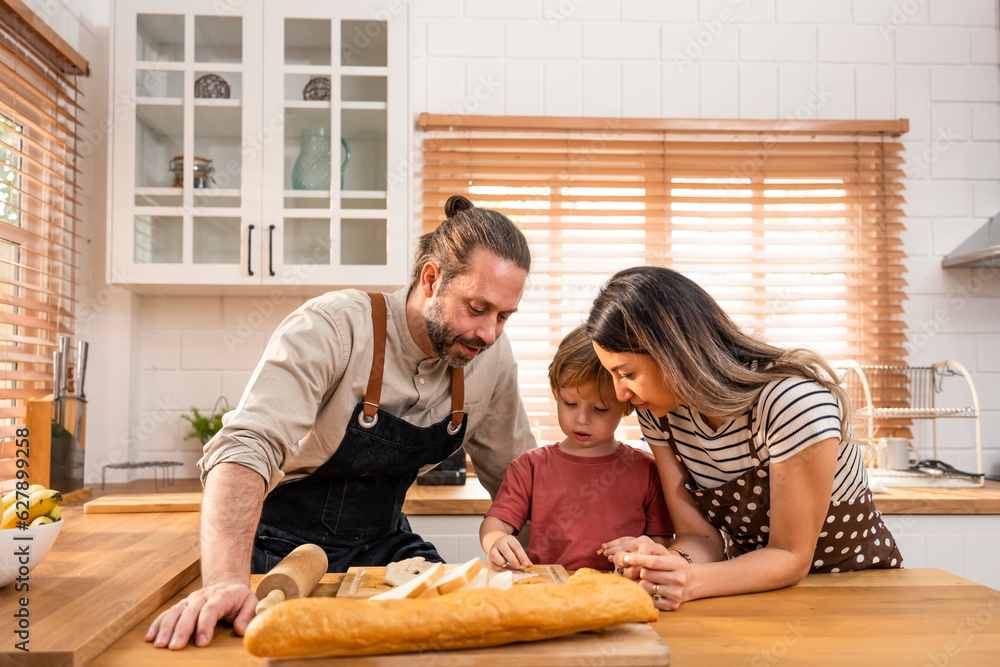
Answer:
(55, 514)
(11, 497)
(41, 521)
(40, 503)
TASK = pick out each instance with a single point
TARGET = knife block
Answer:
(39, 415)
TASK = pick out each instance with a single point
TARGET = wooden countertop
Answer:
(472, 499)
(104, 574)
(885, 617)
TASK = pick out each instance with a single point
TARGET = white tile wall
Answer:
(932, 44)
(523, 87)
(829, 11)
(656, 11)
(461, 38)
(718, 91)
(891, 14)
(963, 12)
(967, 83)
(621, 41)
(542, 40)
(796, 84)
(873, 92)
(679, 91)
(854, 44)
(744, 11)
(985, 200)
(836, 83)
(778, 43)
(933, 62)
(685, 44)
(758, 91)
(602, 83)
(641, 89)
(984, 47)
(954, 120)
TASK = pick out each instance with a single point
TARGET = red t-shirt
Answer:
(576, 503)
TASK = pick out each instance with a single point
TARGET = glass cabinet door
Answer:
(331, 215)
(187, 87)
(261, 144)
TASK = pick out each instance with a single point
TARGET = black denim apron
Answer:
(351, 506)
(853, 536)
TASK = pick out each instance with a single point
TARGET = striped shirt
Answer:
(792, 414)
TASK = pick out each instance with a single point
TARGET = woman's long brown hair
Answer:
(712, 365)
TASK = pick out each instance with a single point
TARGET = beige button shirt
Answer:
(294, 411)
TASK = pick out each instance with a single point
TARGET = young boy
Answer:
(582, 492)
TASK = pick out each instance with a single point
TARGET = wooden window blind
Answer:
(39, 202)
(792, 226)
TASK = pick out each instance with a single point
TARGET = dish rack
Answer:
(909, 392)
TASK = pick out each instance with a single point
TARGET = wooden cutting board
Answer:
(627, 645)
(150, 502)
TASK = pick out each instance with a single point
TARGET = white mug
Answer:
(894, 453)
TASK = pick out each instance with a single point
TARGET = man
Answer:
(355, 394)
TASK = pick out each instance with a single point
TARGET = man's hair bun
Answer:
(456, 204)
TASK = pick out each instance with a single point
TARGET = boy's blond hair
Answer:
(575, 364)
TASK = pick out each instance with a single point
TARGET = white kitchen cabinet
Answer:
(250, 225)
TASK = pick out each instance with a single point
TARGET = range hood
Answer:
(980, 249)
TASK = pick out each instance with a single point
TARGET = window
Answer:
(39, 200)
(792, 226)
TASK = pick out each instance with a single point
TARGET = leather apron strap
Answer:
(373, 393)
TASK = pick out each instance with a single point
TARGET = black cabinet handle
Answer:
(270, 249)
(249, 248)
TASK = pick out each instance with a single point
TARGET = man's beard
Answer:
(443, 339)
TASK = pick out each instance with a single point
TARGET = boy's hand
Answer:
(616, 546)
(507, 550)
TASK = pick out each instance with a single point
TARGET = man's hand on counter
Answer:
(231, 507)
(200, 611)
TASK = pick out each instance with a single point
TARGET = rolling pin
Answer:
(294, 577)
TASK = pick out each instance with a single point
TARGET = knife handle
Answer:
(64, 364)
(82, 348)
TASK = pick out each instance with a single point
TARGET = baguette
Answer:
(314, 627)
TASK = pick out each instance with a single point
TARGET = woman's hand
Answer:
(507, 550)
(661, 573)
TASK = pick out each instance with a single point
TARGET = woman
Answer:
(750, 441)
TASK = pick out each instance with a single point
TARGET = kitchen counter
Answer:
(109, 575)
(472, 498)
(885, 617)
(104, 574)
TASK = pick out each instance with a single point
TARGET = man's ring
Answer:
(656, 590)
(620, 570)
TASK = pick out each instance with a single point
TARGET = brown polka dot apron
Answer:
(853, 536)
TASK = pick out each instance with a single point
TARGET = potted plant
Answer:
(204, 427)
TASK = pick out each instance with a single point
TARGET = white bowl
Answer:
(11, 564)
